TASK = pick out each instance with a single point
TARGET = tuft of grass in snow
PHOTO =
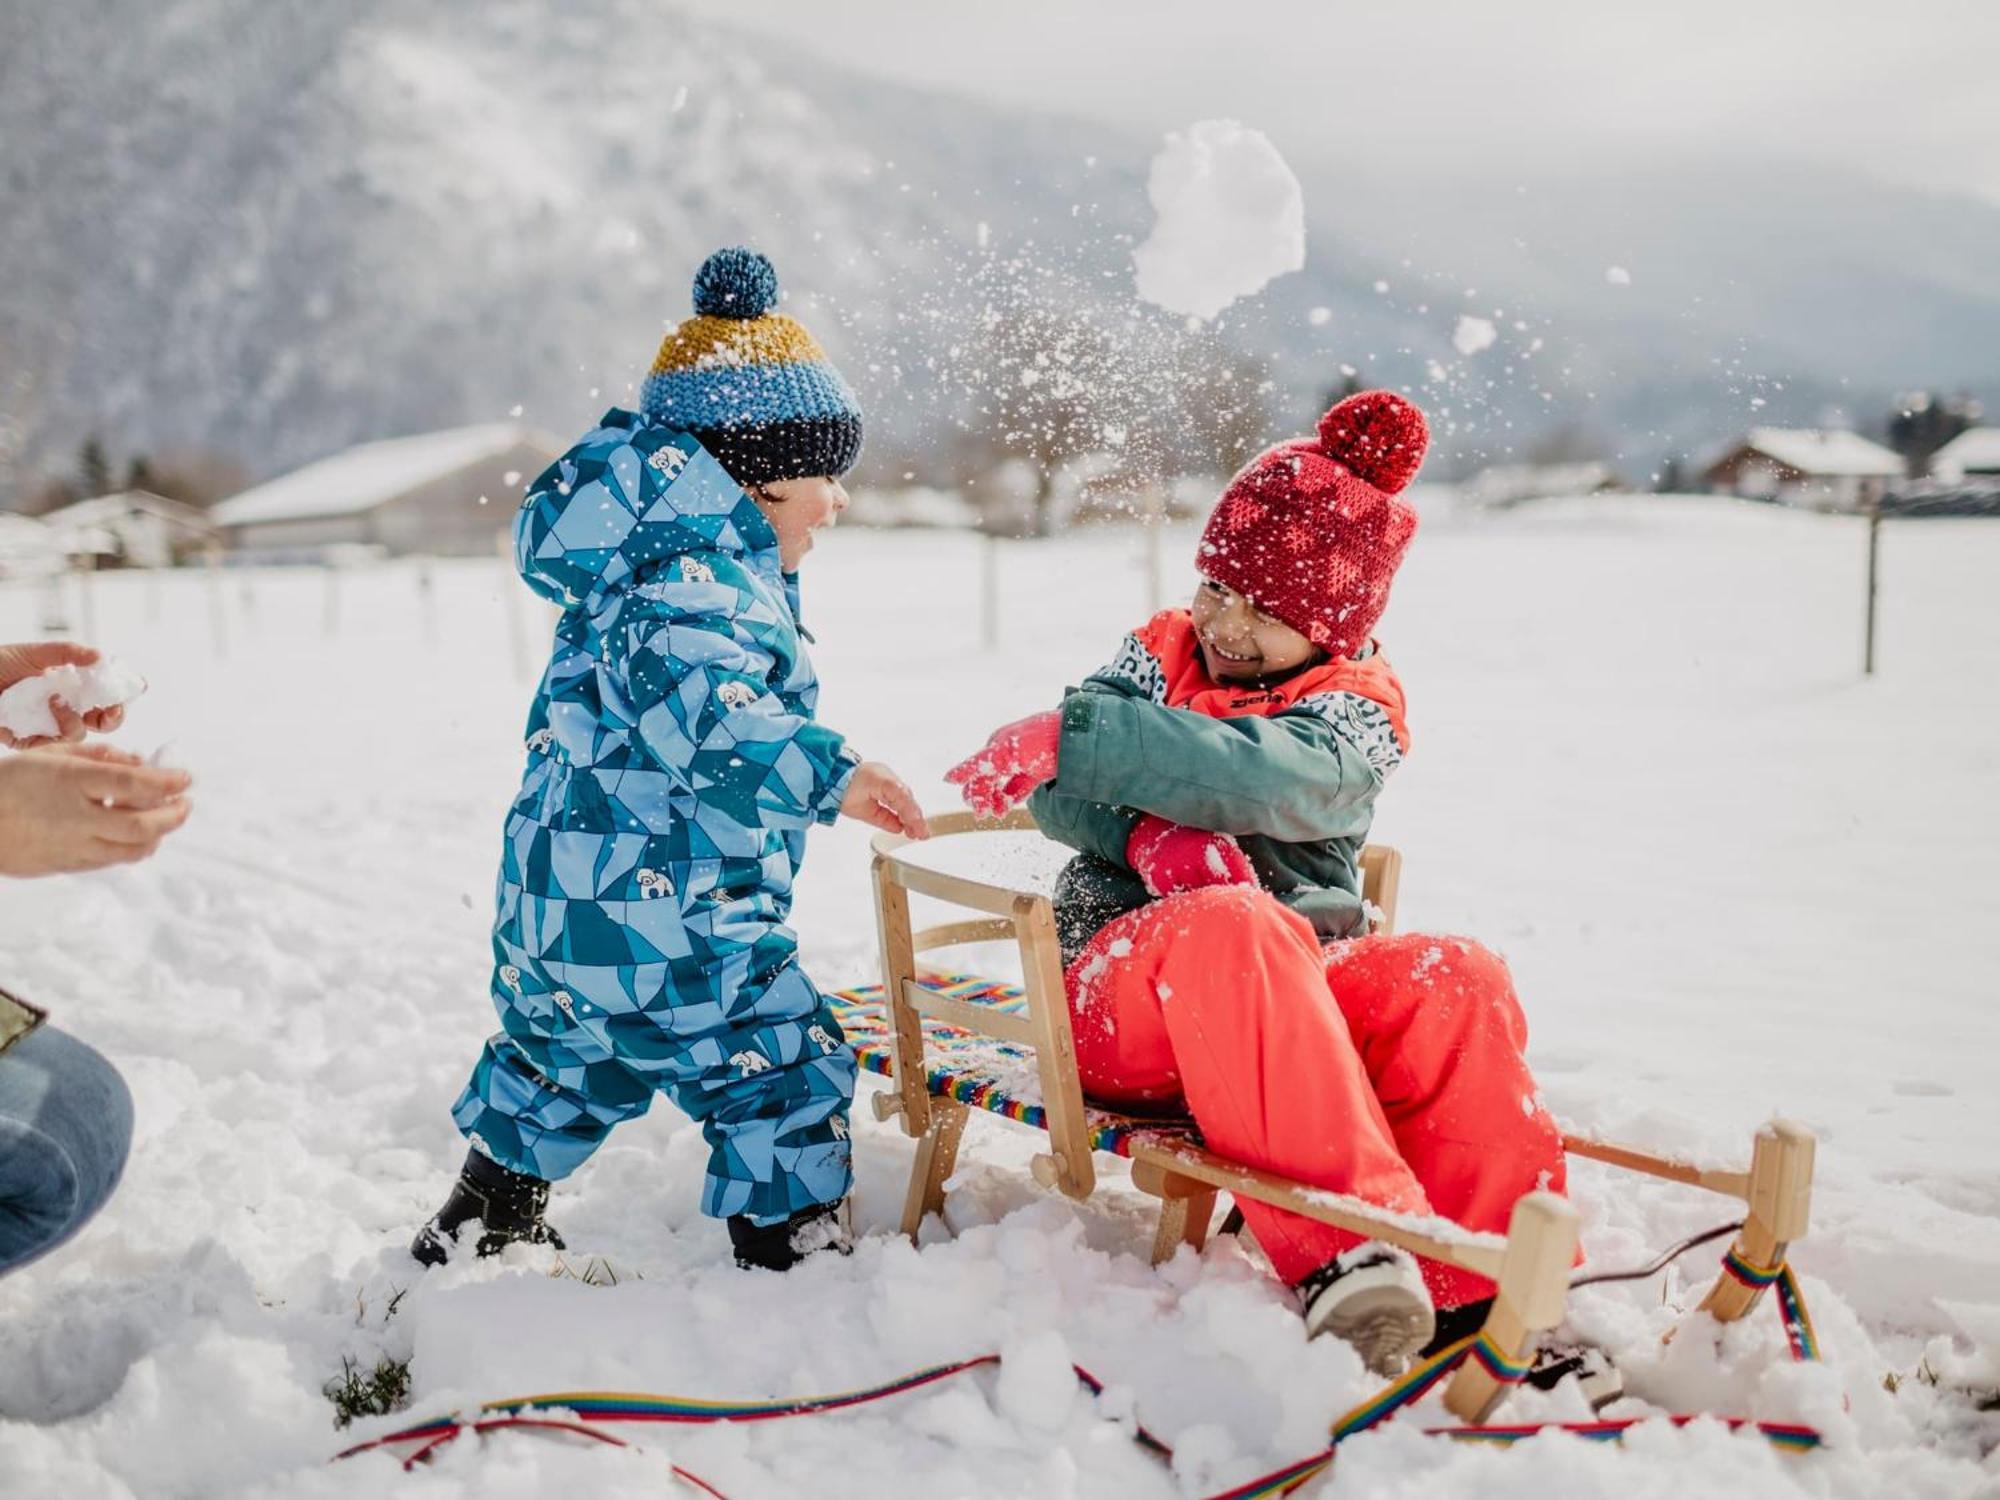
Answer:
(382, 1390)
(596, 1271)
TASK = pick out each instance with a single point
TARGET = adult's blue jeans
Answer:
(65, 1128)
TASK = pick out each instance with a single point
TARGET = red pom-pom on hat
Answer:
(1377, 436)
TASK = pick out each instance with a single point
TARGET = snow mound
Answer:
(1229, 216)
(24, 707)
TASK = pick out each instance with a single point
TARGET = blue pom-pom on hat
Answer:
(735, 283)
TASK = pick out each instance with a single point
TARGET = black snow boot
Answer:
(779, 1247)
(508, 1205)
(1373, 1297)
(1556, 1358)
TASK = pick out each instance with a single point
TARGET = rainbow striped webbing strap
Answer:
(1791, 1301)
(613, 1406)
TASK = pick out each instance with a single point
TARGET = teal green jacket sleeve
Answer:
(1088, 827)
(1291, 777)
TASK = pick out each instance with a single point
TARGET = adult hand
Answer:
(1171, 857)
(878, 796)
(64, 809)
(18, 663)
(1017, 758)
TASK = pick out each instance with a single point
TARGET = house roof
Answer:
(1975, 448)
(1500, 483)
(361, 478)
(102, 510)
(1825, 452)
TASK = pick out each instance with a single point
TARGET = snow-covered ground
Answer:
(1733, 879)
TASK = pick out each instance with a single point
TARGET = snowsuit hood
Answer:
(578, 543)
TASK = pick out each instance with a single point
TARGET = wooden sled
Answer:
(1530, 1267)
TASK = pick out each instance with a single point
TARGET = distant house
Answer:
(447, 493)
(1510, 484)
(1813, 467)
(1973, 454)
(133, 529)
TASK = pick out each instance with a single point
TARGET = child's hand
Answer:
(1171, 857)
(1018, 758)
(878, 796)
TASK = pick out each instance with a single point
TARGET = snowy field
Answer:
(1733, 879)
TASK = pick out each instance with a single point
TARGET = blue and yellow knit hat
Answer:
(750, 383)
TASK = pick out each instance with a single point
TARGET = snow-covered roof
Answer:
(1822, 451)
(102, 510)
(1501, 484)
(1977, 448)
(372, 474)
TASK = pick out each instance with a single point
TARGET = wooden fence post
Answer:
(218, 610)
(1872, 498)
(1156, 520)
(989, 590)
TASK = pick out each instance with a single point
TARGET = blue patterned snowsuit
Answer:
(673, 769)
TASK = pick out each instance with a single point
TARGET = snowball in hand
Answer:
(1229, 217)
(24, 707)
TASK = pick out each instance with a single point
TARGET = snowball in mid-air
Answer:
(1228, 217)
(1617, 275)
(24, 707)
(1472, 335)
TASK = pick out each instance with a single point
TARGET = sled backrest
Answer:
(1027, 919)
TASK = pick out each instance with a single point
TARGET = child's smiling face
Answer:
(1239, 642)
(797, 508)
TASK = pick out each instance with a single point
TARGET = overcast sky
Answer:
(1909, 91)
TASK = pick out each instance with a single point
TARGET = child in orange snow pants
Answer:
(1218, 779)
(1386, 1068)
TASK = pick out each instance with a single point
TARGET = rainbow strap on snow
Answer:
(615, 1406)
(1791, 1302)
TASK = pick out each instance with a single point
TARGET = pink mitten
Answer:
(1018, 758)
(1171, 857)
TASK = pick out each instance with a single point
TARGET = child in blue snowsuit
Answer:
(674, 766)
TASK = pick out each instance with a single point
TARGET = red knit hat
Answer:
(1311, 531)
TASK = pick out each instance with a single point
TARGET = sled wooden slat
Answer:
(1780, 1199)
(899, 967)
(937, 1154)
(1070, 1166)
(968, 1015)
(951, 934)
(1531, 1270)
(1532, 1286)
(1179, 1160)
(1187, 1204)
(1731, 1184)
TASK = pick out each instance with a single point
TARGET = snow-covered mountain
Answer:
(269, 228)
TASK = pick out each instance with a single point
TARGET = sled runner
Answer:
(952, 1043)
